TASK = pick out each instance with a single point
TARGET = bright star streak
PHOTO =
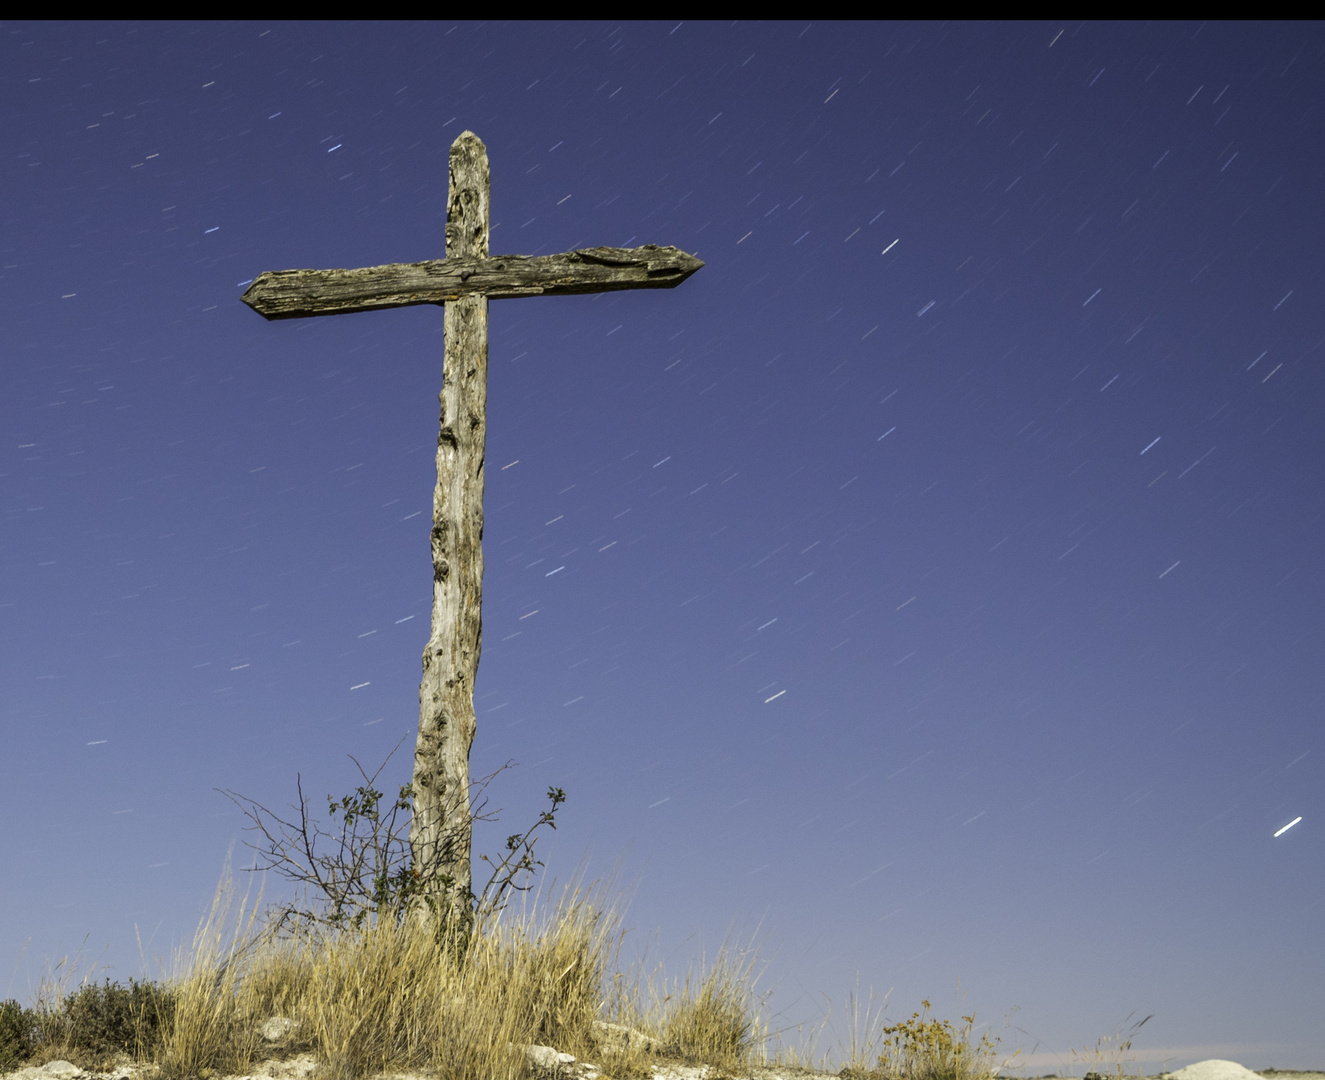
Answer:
(1288, 826)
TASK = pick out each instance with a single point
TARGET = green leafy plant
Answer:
(925, 1049)
(17, 1033)
(95, 1025)
(108, 1020)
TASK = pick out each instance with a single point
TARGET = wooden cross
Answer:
(462, 283)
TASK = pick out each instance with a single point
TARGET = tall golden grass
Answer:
(395, 995)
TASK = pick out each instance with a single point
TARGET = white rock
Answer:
(277, 1028)
(548, 1059)
(1214, 1069)
(52, 1070)
(618, 1038)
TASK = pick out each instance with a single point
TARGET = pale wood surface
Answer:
(440, 832)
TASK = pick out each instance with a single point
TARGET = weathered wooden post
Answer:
(462, 283)
(440, 830)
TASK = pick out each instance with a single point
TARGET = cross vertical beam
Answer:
(440, 832)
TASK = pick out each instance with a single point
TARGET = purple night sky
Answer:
(930, 587)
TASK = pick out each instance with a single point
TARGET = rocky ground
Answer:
(302, 1067)
(556, 1066)
(547, 1063)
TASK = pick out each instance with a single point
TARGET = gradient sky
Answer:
(929, 588)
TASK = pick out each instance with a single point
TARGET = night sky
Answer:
(929, 589)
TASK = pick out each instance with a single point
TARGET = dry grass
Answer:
(212, 1026)
(395, 996)
(1108, 1051)
(710, 1018)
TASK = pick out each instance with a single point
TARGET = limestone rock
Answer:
(548, 1060)
(62, 1070)
(1214, 1069)
(55, 1070)
(277, 1028)
(618, 1038)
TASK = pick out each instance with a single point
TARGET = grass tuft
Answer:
(211, 1025)
(1108, 1051)
(711, 1019)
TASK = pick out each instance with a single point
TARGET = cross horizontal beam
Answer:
(293, 294)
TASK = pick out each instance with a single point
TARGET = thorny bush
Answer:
(368, 872)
